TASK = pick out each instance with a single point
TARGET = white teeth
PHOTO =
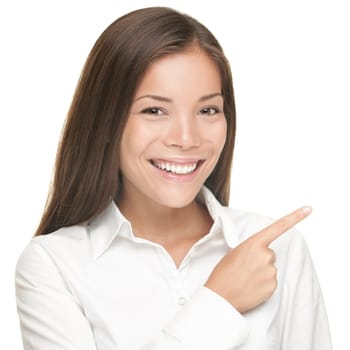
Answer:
(176, 169)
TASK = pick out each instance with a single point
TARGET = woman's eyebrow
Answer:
(208, 97)
(155, 97)
(167, 99)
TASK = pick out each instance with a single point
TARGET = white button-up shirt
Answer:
(97, 286)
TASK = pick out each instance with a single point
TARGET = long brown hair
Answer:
(86, 175)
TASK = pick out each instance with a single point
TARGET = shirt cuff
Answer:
(208, 321)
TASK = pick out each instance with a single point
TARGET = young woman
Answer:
(137, 248)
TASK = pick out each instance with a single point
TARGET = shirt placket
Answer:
(175, 277)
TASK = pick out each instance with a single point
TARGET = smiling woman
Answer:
(137, 248)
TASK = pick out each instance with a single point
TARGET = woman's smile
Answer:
(176, 170)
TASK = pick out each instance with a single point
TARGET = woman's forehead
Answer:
(181, 72)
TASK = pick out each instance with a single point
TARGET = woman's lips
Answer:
(180, 170)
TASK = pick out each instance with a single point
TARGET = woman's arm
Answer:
(206, 322)
(50, 318)
(303, 315)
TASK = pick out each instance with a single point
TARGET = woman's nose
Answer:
(183, 132)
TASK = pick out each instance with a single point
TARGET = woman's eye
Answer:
(153, 111)
(209, 110)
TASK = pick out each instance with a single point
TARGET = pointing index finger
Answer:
(279, 227)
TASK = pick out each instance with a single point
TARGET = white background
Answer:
(290, 62)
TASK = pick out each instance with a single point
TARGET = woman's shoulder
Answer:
(244, 216)
(64, 244)
(244, 224)
(290, 248)
(65, 238)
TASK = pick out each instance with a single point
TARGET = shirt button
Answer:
(181, 301)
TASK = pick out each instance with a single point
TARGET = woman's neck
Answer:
(164, 225)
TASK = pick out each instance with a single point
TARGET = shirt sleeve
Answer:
(206, 322)
(305, 322)
(50, 318)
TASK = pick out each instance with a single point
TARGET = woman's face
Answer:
(175, 132)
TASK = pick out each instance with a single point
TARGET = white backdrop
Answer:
(290, 62)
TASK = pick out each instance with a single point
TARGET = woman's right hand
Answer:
(246, 276)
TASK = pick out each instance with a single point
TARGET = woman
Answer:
(137, 248)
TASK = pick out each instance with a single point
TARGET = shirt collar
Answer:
(111, 222)
(221, 215)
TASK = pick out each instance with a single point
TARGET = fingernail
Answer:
(307, 209)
